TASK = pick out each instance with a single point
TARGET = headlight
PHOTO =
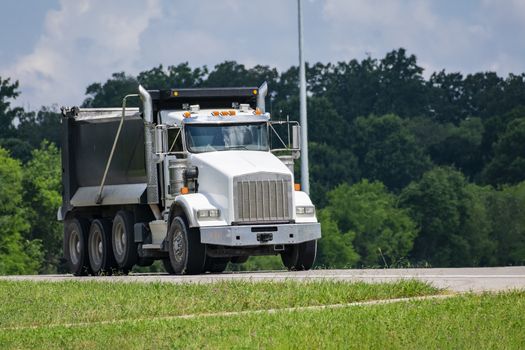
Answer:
(208, 213)
(305, 210)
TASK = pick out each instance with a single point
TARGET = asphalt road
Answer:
(454, 279)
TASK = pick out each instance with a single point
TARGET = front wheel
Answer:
(166, 263)
(187, 253)
(300, 257)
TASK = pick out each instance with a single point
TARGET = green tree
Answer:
(460, 147)
(8, 92)
(449, 103)
(35, 127)
(233, 74)
(42, 183)
(336, 249)
(388, 151)
(508, 164)
(329, 166)
(384, 233)
(506, 209)
(17, 255)
(325, 124)
(111, 93)
(17, 148)
(452, 218)
(402, 89)
(179, 76)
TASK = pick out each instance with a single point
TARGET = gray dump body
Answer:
(88, 136)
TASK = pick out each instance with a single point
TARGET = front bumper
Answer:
(257, 235)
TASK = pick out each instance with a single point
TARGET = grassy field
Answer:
(118, 315)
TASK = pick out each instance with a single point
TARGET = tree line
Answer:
(405, 170)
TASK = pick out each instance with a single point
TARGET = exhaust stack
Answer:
(152, 190)
(263, 91)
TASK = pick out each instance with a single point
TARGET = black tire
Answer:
(123, 241)
(300, 257)
(187, 253)
(216, 265)
(99, 247)
(167, 266)
(239, 259)
(76, 233)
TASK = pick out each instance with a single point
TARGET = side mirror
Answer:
(296, 137)
(161, 141)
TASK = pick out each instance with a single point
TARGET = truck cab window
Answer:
(209, 138)
(175, 140)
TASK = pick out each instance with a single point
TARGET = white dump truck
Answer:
(189, 178)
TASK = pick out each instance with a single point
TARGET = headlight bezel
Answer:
(208, 214)
(305, 210)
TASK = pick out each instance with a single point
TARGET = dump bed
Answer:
(88, 135)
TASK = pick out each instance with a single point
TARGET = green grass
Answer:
(488, 321)
(467, 321)
(35, 304)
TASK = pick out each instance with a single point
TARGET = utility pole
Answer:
(305, 178)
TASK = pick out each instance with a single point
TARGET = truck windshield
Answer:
(224, 137)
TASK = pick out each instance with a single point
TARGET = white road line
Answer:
(231, 313)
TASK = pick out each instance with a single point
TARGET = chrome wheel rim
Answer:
(96, 247)
(178, 246)
(74, 247)
(119, 239)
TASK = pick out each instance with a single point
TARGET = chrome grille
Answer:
(262, 199)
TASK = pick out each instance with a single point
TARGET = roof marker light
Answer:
(257, 111)
(186, 114)
(215, 113)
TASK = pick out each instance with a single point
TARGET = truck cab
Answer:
(200, 187)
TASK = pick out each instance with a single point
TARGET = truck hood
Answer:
(217, 171)
(234, 163)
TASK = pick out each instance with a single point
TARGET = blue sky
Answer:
(55, 48)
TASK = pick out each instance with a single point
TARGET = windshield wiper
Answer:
(236, 147)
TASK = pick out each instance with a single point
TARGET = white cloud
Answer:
(82, 41)
(85, 41)
(443, 35)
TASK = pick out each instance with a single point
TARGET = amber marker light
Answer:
(186, 114)
(184, 190)
(215, 113)
(232, 113)
(297, 187)
(254, 92)
(175, 93)
(257, 111)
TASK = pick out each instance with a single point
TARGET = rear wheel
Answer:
(99, 247)
(123, 241)
(187, 253)
(300, 257)
(216, 265)
(76, 233)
